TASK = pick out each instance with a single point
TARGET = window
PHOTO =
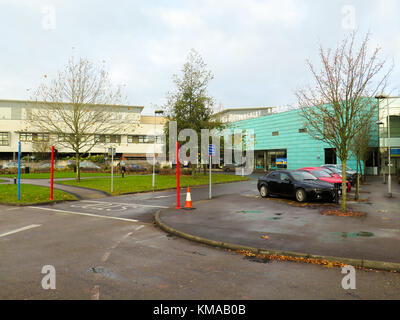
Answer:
(303, 130)
(63, 137)
(275, 133)
(284, 177)
(24, 136)
(133, 139)
(107, 138)
(28, 136)
(4, 139)
(273, 175)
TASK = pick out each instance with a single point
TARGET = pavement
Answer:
(243, 219)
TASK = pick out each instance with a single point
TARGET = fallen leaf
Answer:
(265, 237)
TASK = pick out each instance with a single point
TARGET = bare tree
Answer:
(75, 107)
(359, 147)
(341, 101)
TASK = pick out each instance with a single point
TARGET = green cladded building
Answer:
(282, 141)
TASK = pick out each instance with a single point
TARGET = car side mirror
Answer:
(287, 180)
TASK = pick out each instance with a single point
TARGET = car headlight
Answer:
(316, 190)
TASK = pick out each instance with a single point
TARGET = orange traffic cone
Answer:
(188, 204)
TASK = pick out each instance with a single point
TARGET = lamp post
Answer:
(154, 146)
(380, 97)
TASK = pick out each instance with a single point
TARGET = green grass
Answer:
(144, 183)
(30, 194)
(60, 174)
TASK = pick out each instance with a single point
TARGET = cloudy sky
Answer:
(256, 49)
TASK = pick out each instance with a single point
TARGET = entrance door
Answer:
(330, 156)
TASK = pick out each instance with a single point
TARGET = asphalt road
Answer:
(109, 249)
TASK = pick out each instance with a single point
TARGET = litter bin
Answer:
(27, 169)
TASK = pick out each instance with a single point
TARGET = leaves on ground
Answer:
(339, 213)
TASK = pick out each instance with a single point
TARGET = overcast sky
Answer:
(256, 49)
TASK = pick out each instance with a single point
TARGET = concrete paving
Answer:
(244, 219)
(98, 258)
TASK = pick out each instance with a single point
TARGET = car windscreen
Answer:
(320, 174)
(302, 176)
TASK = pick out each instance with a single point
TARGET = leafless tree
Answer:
(75, 107)
(341, 101)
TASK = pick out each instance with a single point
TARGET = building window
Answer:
(275, 133)
(107, 138)
(29, 136)
(133, 139)
(63, 137)
(303, 130)
(24, 136)
(4, 139)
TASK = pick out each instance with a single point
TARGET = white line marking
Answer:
(95, 293)
(140, 227)
(20, 229)
(172, 195)
(11, 209)
(105, 256)
(85, 214)
(125, 204)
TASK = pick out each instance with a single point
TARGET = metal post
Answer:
(209, 189)
(112, 169)
(154, 153)
(19, 170)
(389, 151)
(178, 200)
(52, 173)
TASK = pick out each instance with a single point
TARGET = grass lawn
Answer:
(144, 183)
(30, 194)
(61, 174)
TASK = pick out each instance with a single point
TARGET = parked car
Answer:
(45, 166)
(337, 168)
(323, 175)
(301, 185)
(12, 164)
(134, 168)
(88, 165)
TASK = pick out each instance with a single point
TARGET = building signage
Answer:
(395, 152)
(282, 161)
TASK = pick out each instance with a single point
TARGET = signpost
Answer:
(52, 173)
(211, 152)
(178, 200)
(111, 151)
(19, 170)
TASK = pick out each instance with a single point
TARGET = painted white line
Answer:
(20, 229)
(140, 227)
(95, 293)
(11, 209)
(85, 214)
(124, 204)
(172, 195)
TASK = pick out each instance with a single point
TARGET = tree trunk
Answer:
(357, 195)
(344, 186)
(78, 168)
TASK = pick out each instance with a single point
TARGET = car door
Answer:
(273, 182)
(285, 184)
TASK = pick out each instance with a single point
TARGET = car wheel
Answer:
(301, 195)
(264, 191)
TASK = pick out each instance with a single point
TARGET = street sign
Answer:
(211, 150)
(111, 151)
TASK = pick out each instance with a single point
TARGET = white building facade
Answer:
(136, 137)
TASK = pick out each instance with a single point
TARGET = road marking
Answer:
(125, 204)
(172, 195)
(20, 229)
(11, 209)
(85, 214)
(106, 256)
(140, 227)
(95, 293)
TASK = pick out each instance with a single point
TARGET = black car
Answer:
(295, 183)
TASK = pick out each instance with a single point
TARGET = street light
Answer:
(381, 97)
(156, 112)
